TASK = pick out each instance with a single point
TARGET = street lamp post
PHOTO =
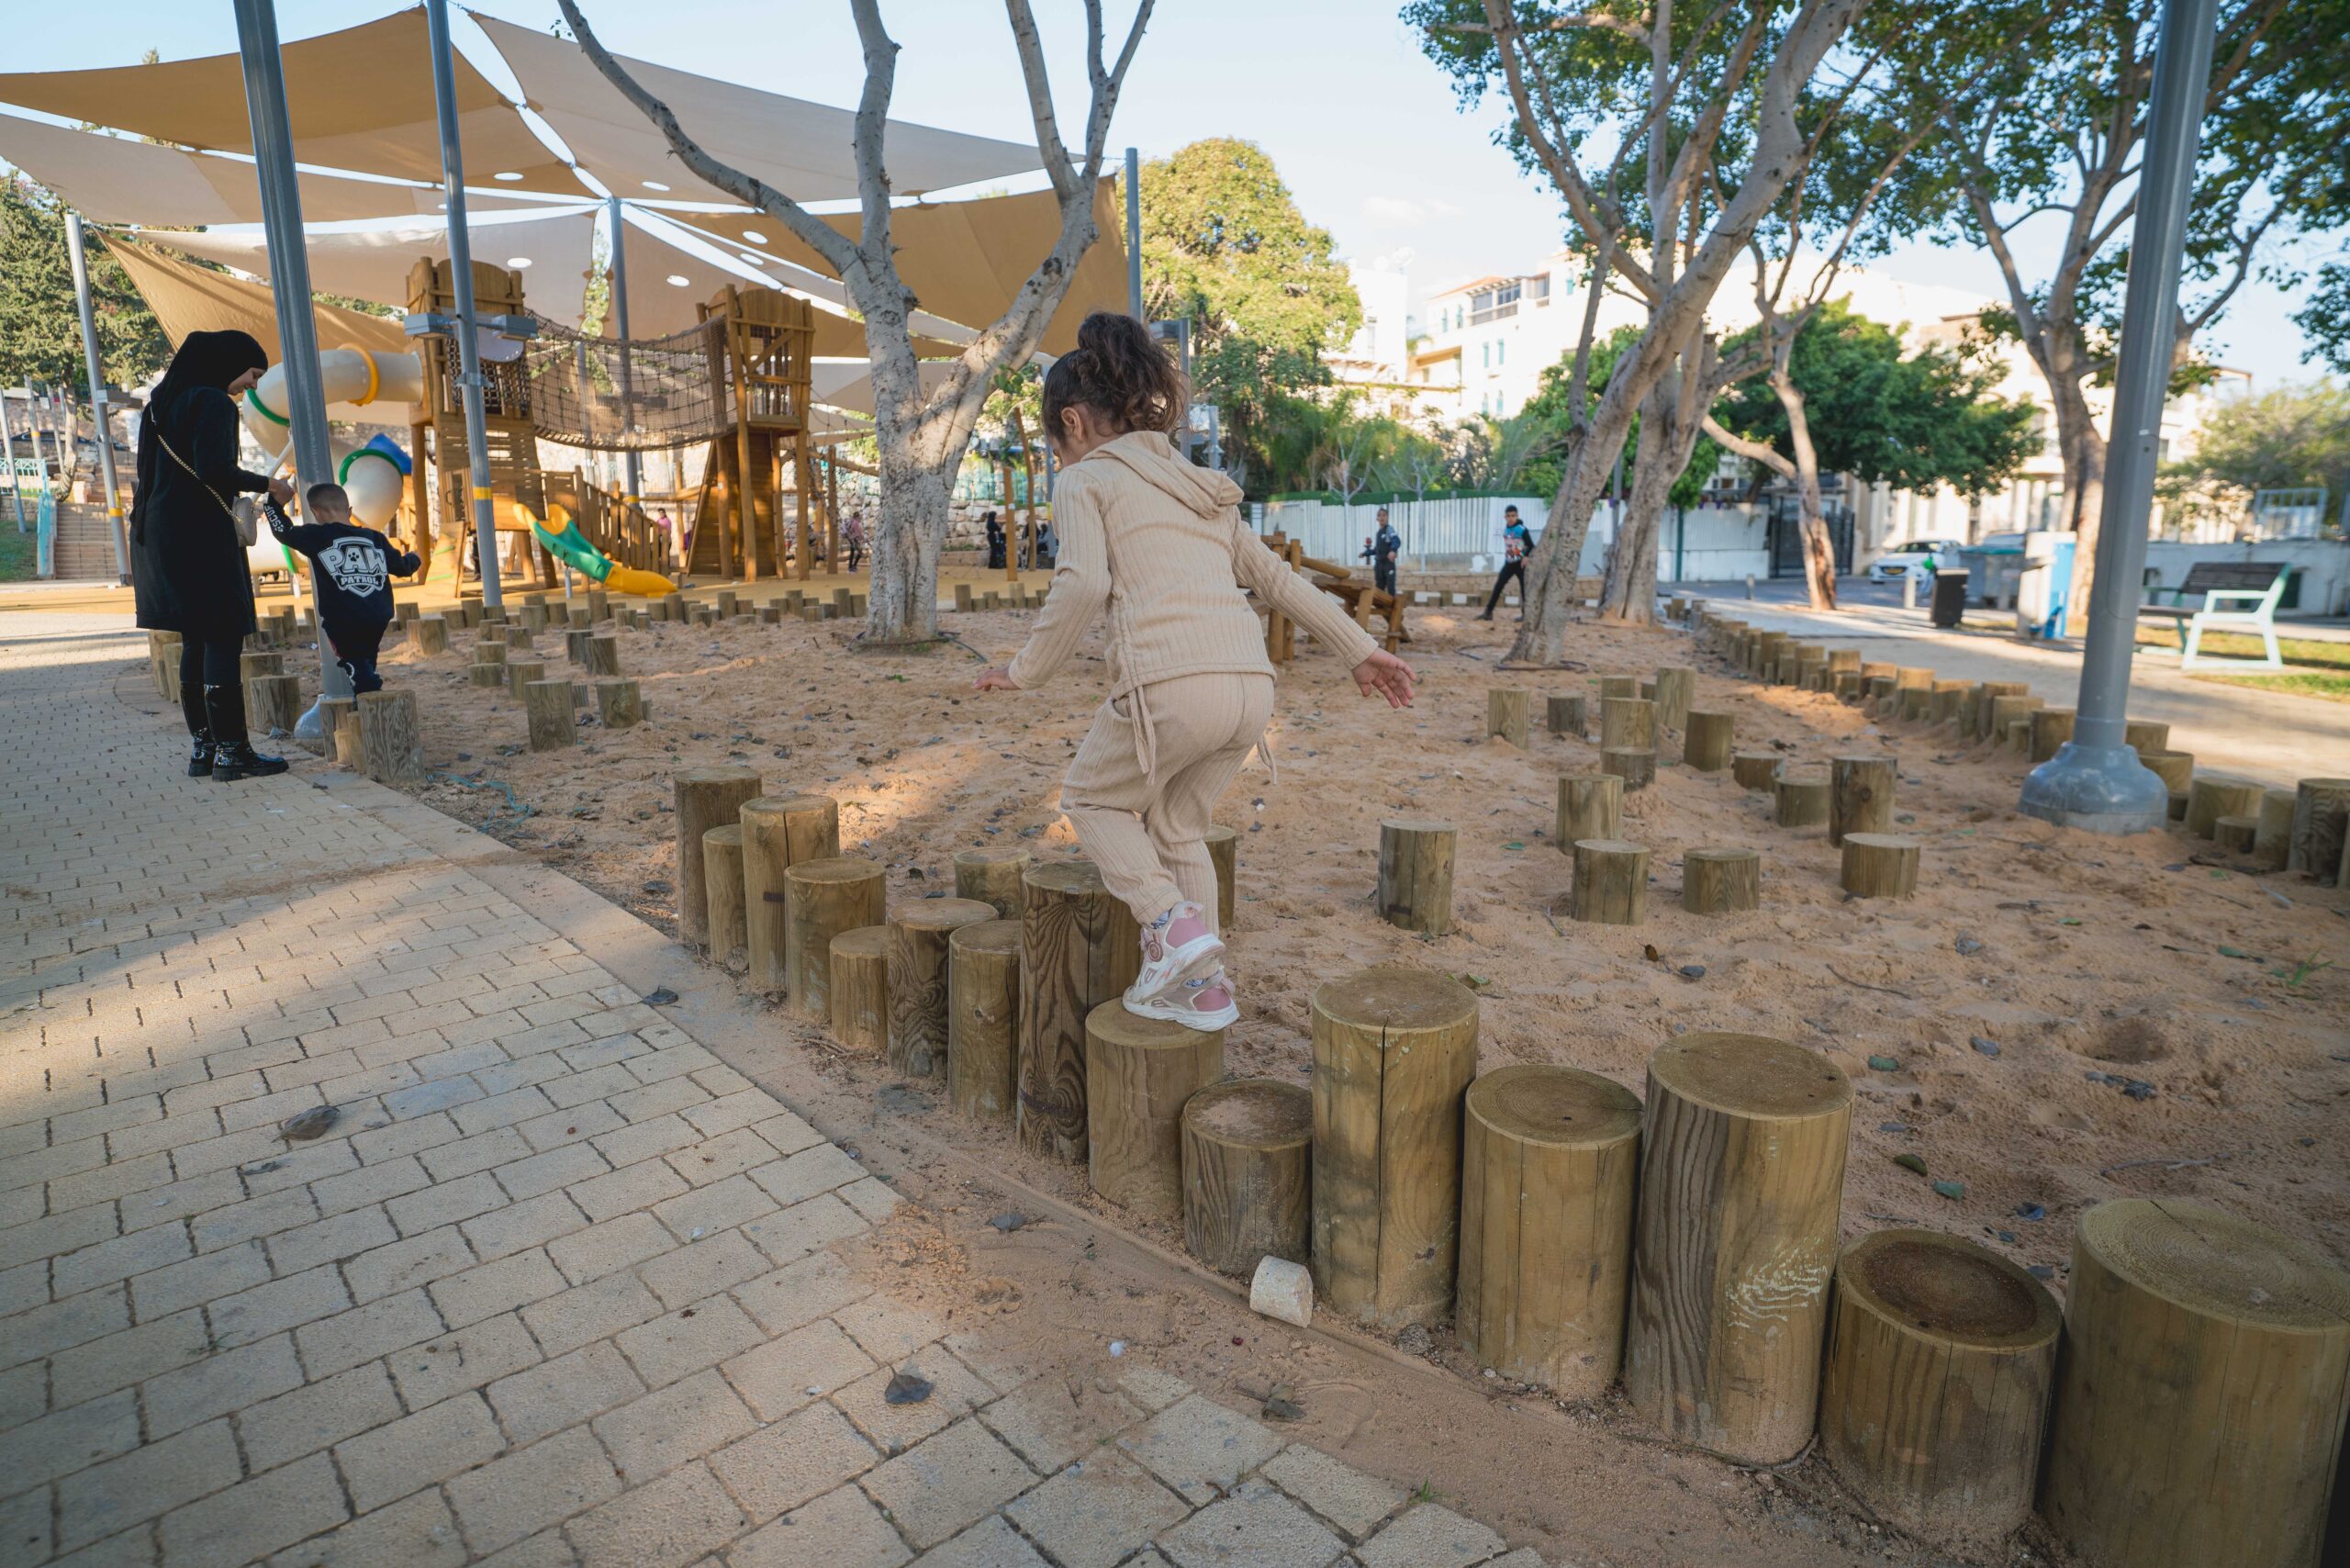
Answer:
(1133, 233)
(461, 277)
(76, 254)
(2095, 780)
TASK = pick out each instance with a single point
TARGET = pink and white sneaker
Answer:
(1175, 948)
(1203, 1004)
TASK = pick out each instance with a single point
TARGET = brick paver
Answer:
(557, 1286)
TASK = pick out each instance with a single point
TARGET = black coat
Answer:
(188, 570)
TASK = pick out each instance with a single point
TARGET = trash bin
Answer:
(1949, 605)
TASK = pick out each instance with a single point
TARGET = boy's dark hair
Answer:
(319, 495)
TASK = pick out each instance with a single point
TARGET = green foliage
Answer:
(1915, 420)
(40, 331)
(1550, 405)
(1225, 245)
(2292, 437)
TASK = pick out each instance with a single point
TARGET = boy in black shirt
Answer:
(355, 568)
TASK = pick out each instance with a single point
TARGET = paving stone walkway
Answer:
(555, 1286)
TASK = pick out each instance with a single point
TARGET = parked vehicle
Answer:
(1902, 560)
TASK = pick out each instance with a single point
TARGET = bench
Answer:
(2250, 588)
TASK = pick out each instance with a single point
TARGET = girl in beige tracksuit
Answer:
(1158, 542)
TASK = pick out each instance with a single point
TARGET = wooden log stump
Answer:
(993, 877)
(486, 675)
(1394, 1049)
(1565, 716)
(2051, 728)
(1879, 866)
(1676, 690)
(2018, 736)
(1800, 798)
(273, 703)
(1860, 795)
(1707, 746)
(1547, 1158)
(2201, 1397)
(1947, 695)
(431, 634)
(858, 983)
(1247, 1173)
(521, 673)
(703, 798)
(2211, 796)
(1138, 1074)
(918, 980)
(1079, 948)
(1847, 684)
(2147, 734)
(252, 666)
(517, 639)
(574, 644)
(579, 615)
(721, 880)
(1627, 722)
(1755, 769)
(1505, 713)
(389, 736)
(1611, 884)
(547, 705)
(620, 704)
(2175, 769)
(490, 647)
(821, 898)
(1590, 805)
(1941, 1354)
(1742, 1177)
(1416, 874)
(349, 749)
(601, 655)
(1618, 686)
(2007, 710)
(1721, 882)
(1916, 705)
(2272, 840)
(1842, 661)
(163, 659)
(726, 603)
(1878, 696)
(1223, 852)
(332, 712)
(2234, 834)
(2321, 824)
(600, 605)
(1635, 765)
(1981, 726)
(983, 1019)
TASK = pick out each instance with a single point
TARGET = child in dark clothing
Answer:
(355, 568)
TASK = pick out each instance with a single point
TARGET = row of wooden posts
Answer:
(2304, 829)
(1573, 1234)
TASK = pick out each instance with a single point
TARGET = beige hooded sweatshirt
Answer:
(1160, 543)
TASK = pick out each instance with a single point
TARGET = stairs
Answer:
(85, 549)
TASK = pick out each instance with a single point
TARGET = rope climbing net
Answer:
(672, 384)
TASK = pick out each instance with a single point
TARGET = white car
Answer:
(1903, 559)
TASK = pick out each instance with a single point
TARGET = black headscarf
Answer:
(204, 359)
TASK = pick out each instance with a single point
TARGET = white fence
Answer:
(1708, 544)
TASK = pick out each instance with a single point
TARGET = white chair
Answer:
(2249, 588)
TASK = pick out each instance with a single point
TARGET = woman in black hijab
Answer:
(188, 566)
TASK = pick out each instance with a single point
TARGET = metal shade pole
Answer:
(2096, 780)
(75, 254)
(461, 276)
(289, 277)
(635, 462)
(1133, 233)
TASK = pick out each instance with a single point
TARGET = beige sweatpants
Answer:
(1144, 784)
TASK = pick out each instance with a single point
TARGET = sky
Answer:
(1363, 128)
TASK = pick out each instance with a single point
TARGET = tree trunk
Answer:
(2083, 444)
(1818, 550)
(1630, 591)
(908, 536)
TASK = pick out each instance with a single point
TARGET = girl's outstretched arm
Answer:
(1081, 588)
(1378, 672)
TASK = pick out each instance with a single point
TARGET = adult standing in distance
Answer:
(1384, 546)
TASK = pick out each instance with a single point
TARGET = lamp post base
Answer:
(2098, 789)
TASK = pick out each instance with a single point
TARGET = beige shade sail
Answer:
(188, 298)
(115, 179)
(749, 265)
(801, 149)
(966, 260)
(849, 384)
(666, 283)
(360, 98)
(551, 247)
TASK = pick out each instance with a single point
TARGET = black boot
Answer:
(199, 729)
(233, 756)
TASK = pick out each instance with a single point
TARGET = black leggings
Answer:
(1509, 569)
(209, 661)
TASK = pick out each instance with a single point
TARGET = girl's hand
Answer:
(1384, 675)
(996, 680)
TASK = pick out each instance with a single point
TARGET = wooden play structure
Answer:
(438, 432)
(760, 361)
(1362, 599)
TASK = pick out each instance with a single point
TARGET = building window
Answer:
(1501, 352)
(1486, 355)
(1493, 304)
